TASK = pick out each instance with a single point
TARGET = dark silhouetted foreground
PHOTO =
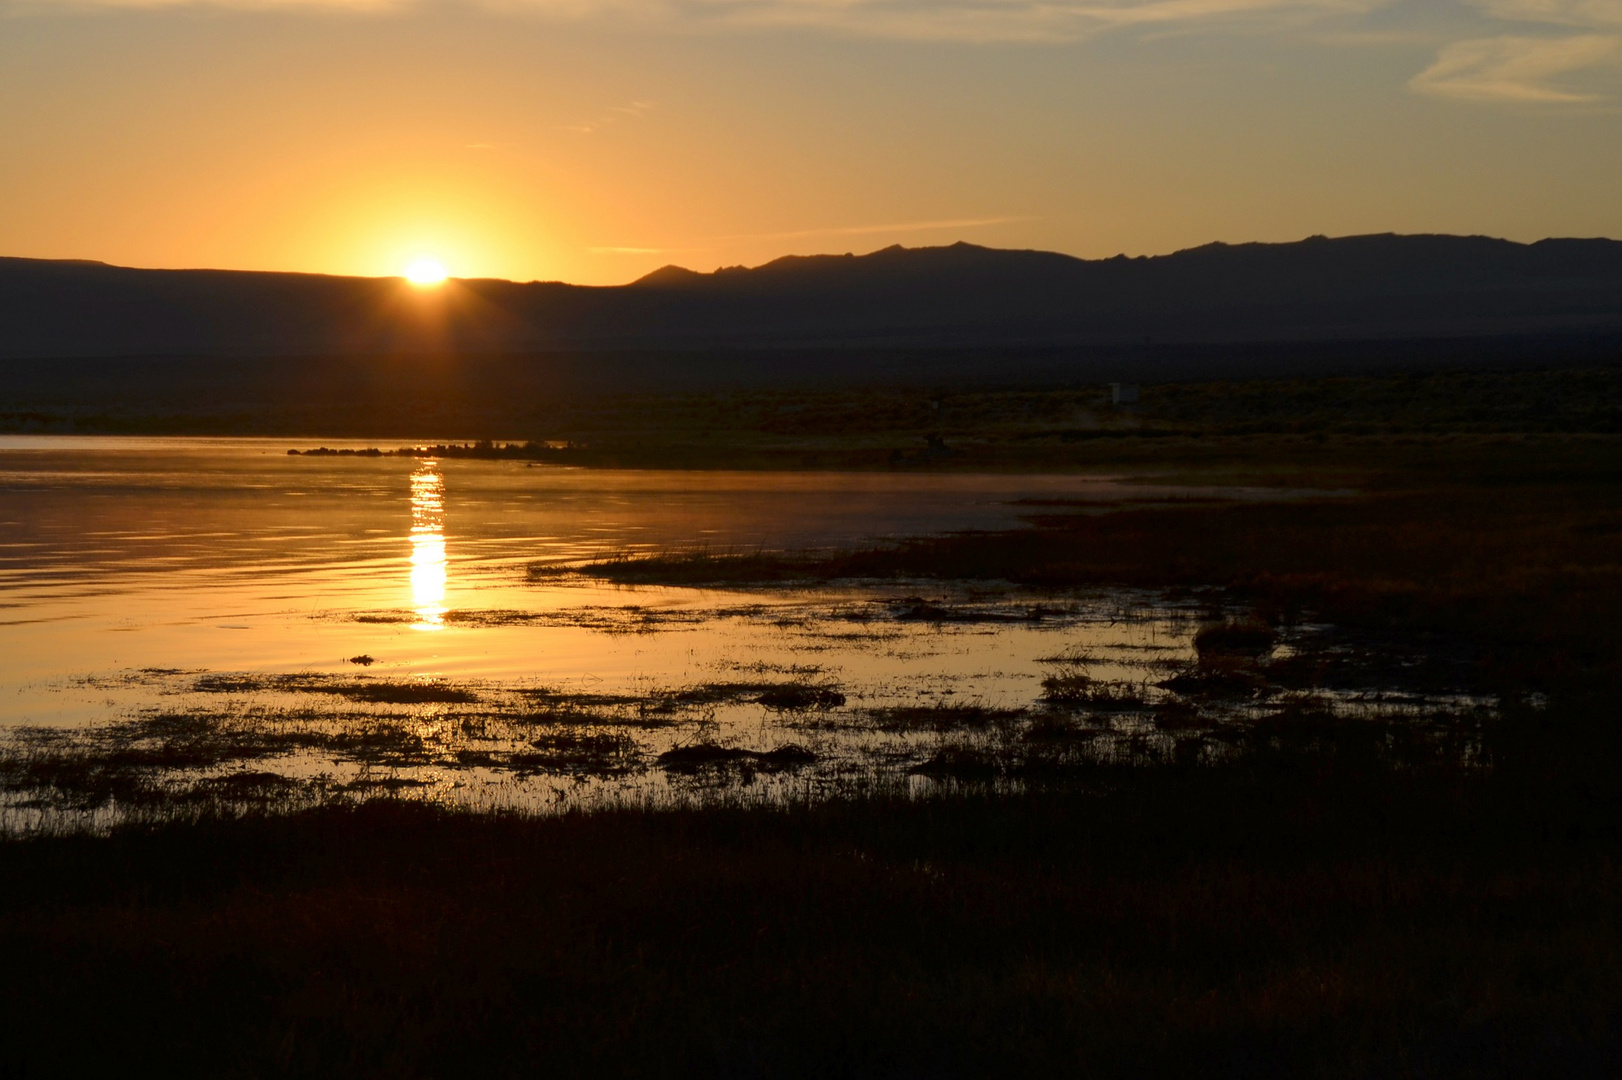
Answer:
(1314, 911)
(1327, 898)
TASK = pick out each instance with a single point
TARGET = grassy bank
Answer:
(951, 421)
(1302, 913)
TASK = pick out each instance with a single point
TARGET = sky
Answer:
(593, 141)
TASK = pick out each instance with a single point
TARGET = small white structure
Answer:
(1123, 393)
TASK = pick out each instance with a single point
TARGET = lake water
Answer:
(226, 585)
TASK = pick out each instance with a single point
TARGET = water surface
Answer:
(226, 585)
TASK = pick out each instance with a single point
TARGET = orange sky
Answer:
(595, 140)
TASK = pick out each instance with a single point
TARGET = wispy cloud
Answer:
(612, 115)
(1002, 20)
(712, 243)
(1514, 69)
(922, 20)
(1596, 14)
(871, 230)
(362, 7)
(1355, 38)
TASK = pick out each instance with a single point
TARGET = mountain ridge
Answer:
(1379, 285)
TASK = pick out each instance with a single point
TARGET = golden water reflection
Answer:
(428, 546)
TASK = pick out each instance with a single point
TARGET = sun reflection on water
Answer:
(428, 546)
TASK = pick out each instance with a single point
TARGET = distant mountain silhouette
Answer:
(1361, 287)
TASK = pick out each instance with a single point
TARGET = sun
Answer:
(425, 272)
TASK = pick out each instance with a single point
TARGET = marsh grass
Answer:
(944, 717)
(1072, 687)
(1495, 561)
(699, 756)
(696, 566)
(1220, 676)
(178, 758)
(1300, 892)
(388, 736)
(781, 696)
(1248, 637)
(432, 737)
(799, 698)
(379, 692)
(592, 753)
(1266, 917)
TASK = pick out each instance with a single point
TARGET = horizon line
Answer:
(79, 261)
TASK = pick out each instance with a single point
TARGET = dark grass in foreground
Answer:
(1298, 913)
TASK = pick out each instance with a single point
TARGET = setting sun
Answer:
(425, 273)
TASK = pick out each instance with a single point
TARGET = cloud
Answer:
(803, 234)
(615, 113)
(1595, 14)
(1002, 20)
(37, 7)
(922, 20)
(1513, 69)
(869, 230)
(1518, 70)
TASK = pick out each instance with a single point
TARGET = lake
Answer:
(218, 617)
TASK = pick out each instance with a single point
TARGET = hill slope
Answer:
(1318, 289)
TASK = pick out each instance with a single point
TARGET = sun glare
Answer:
(425, 272)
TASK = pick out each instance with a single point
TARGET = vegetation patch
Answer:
(1074, 688)
(792, 697)
(422, 692)
(592, 753)
(1235, 637)
(703, 755)
(941, 717)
